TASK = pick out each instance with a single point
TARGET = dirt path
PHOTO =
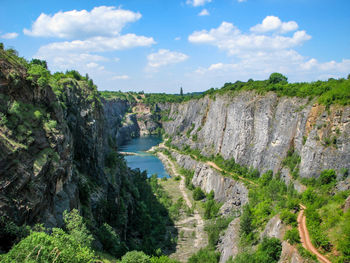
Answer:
(212, 164)
(305, 237)
(200, 237)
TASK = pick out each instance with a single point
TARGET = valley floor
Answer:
(192, 236)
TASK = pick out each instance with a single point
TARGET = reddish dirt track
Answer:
(305, 237)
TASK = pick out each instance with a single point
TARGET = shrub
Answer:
(135, 257)
(327, 177)
(58, 247)
(269, 250)
(215, 227)
(77, 228)
(198, 194)
(163, 259)
(292, 236)
(110, 240)
(205, 255)
(289, 218)
(211, 208)
(246, 226)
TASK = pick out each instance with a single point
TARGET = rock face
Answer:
(259, 130)
(58, 152)
(232, 194)
(229, 241)
(276, 228)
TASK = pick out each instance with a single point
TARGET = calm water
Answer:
(144, 161)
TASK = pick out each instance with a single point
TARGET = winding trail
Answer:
(305, 237)
(303, 232)
(200, 238)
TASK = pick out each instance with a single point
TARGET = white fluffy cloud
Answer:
(9, 35)
(288, 62)
(273, 23)
(197, 2)
(164, 57)
(61, 60)
(100, 21)
(229, 38)
(99, 44)
(204, 12)
(259, 53)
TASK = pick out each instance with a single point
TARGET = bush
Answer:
(135, 257)
(214, 228)
(292, 236)
(289, 218)
(77, 228)
(58, 247)
(246, 226)
(205, 255)
(163, 259)
(211, 209)
(269, 250)
(198, 194)
(110, 241)
(327, 177)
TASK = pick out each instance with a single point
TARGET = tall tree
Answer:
(181, 92)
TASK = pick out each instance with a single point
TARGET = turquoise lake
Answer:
(144, 161)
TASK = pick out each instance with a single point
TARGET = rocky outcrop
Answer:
(121, 125)
(229, 241)
(232, 194)
(276, 228)
(258, 130)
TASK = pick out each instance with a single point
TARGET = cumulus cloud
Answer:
(100, 21)
(120, 77)
(273, 23)
(100, 44)
(229, 38)
(258, 53)
(12, 35)
(165, 57)
(61, 60)
(288, 62)
(204, 12)
(197, 2)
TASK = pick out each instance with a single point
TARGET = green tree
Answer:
(40, 62)
(246, 226)
(181, 92)
(77, 228)
(277, 78)
(198, 194)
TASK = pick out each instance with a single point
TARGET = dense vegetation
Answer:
(327, 222)
(332, 91)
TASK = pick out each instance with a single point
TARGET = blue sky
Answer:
(160, 45)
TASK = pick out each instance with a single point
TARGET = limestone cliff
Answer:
(259, 130)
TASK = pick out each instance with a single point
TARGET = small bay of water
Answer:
(143, 160)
